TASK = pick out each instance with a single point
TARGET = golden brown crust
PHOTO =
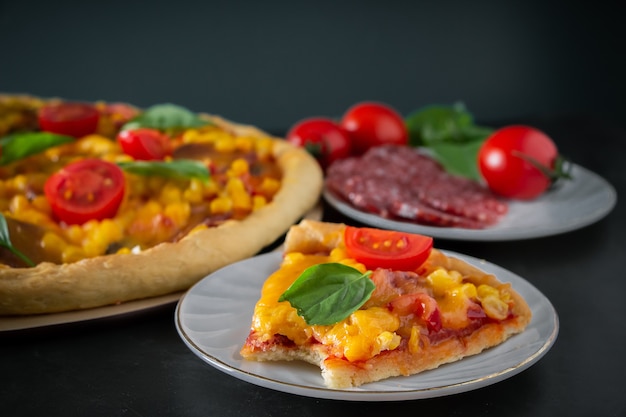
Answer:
(313, 236)
(167, 267)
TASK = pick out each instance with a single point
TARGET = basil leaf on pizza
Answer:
(177, 168)
(20, 145)
(328, 293)
(5, 241)
(166, 116)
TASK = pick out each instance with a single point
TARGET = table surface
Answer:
(137, 364)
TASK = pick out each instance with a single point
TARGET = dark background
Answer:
(271, 63)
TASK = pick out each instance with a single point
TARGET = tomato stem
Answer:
(562, 167)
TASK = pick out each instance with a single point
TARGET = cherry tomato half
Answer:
(67, 118)
(145, 144)
(376, 248)
(322, 138)
(518, 162)
(89, 189)
(372, 124)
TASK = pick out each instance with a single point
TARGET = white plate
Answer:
(213, 319)
(574, 204)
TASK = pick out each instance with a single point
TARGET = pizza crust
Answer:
(173, 266)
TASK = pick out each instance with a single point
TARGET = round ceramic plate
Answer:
(213, 319)
(579, 202)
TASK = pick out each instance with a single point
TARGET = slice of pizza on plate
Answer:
(368, 304)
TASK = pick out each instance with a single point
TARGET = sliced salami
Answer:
(399, 182)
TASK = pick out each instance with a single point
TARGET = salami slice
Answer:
(401, 183)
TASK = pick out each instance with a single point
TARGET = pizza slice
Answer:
(368, 304)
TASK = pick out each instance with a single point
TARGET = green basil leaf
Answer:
(177, 168)
(166, 116)
(20, 145)
(5, 241)
(459, 158)
(434, 124)
(328, 293)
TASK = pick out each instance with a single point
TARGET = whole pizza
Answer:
(103, 203)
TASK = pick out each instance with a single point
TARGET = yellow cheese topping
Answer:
(375, 327)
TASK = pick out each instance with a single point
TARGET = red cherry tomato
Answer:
(376, 248)
(518, 162)
(373, 124)
(71, 119)
(323, 138)
(89, 189)
(145, 144)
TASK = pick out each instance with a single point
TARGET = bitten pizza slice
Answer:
(368, 304)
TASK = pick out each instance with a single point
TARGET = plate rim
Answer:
(360, 393)
(489, 234)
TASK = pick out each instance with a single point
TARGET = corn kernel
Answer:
(239, 167)
(52, 243)
(494, 307)
(225, 144)
(269, 187)
(221, 205)
(258, 201)
(19, 203)
(72, 253)
(179, 213)
(442, 280)
(170, 194)
(414, 340)
(244, 143)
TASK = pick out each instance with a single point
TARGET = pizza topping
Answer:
(211, 177)
(178, 168)
(21, 145)
(328, 293)
(5, 242)
(166, 116)
(90, 189)
(66, 118)
(145, 144)
(409, 309)
(377, 248)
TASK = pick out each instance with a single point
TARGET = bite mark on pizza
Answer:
(414, 320)
(220, 192)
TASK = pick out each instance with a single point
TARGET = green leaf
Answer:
(459, 158)
(20, 145)
(166, 116)
(177, 168)
(328, 293)
(437, 123)
(5, 241)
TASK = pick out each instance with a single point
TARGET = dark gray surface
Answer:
(138, 365)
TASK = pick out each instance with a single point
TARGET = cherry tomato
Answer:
(376, 248)
(67, 118)
(519, 162)
(323, 138)
(372, 124)
(145, 144)
(89, 189)
(421, 305)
